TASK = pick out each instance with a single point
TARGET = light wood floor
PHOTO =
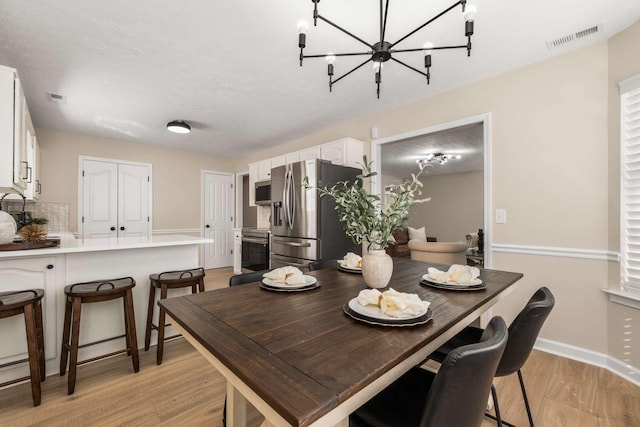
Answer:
(185, 390)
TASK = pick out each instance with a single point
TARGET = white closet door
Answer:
(99, 199)
(133, 200)
(218, 219)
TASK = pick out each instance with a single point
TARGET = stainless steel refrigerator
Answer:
(304, 226)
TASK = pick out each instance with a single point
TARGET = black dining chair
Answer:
(323, 264)
(241, 279)
(523, 333)
(455, 396)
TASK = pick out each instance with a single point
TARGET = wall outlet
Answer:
(501, 216)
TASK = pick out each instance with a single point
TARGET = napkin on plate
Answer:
(394, 303)
(457, 274)
(288, 275)
(351, 260)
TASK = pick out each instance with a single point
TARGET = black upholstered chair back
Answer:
(241, 279)
(524, 331)
(458, 395)
(323, 264)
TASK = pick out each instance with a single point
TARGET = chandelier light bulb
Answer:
(470, 12)
(427, 48)
(377, 66)
(303, 26)
(330, 58)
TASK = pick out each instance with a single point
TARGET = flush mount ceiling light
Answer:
(441, 158)
(178, 126)
(381, 51)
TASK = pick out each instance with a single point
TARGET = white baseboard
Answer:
(591, 357)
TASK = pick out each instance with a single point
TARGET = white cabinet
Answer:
(310, 153)
(21, 274)
(253, 178)
(345, 151)
(114, 198)
(264, 170)
(14, 123)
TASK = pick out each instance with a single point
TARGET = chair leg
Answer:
(40, 338)
(152, 300)
(201, 285)
(131, 327)
(32, 346)
(161, 320)
(75, 336)
(524, 395)
(494, 395)
(66, 328)
(127, 336)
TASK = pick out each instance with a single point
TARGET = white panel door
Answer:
(99, 216)
(218, 219)
(133, 200)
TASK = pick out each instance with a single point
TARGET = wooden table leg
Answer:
(236, 407)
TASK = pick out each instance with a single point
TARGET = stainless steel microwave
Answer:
(263, 193)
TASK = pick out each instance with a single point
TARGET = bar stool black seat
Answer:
(192, 278)
(88, 292)
(29, 303)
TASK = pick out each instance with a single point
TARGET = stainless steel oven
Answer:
(255, 249)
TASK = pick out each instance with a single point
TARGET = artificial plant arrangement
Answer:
(364, 216)
(35, 231)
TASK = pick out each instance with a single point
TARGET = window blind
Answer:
(630, 184)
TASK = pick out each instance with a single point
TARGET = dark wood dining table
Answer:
(300, 360)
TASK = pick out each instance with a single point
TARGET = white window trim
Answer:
(629, 292)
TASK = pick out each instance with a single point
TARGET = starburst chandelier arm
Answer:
(352, 70)
(324, 55)
(345, 31)
(429, 22)
(412, 68)
(383, 24)
(419, 49)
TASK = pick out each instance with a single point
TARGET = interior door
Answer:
(218, 219)
(99, 216)
(133, 200)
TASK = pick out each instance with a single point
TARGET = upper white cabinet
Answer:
(114, 198)
(345, 151)
(15, 131)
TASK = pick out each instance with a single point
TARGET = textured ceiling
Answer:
(230, 68)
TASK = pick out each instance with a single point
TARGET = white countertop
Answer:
(69, 244)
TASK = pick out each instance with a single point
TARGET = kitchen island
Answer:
(77, 260)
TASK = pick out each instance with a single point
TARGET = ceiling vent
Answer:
(569, 38)
(56, 98)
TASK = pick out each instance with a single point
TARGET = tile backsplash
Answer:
(56, 213)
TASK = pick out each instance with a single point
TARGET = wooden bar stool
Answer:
(193, 278)
(96, 291)
(29, 303)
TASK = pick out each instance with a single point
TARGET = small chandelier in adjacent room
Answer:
(381, 51)
(178, 126)
(441, 158)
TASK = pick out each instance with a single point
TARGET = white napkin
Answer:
(352, 260)
(394, 303)
(402, 305)
(295, 279)
(285, 275)
(458, 274)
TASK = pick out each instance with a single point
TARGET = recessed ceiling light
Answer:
(178, 126)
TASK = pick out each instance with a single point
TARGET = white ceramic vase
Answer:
(7, 228)
(377, 267)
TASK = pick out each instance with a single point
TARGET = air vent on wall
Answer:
(56, 98)
(560, 41)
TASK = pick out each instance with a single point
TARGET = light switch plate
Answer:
(501, 216)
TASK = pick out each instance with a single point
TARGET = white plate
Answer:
(374, 311)
(343, 264)
(308, 280)
(475, 282)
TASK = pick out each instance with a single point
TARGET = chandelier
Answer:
(441, 158)
(381, 51)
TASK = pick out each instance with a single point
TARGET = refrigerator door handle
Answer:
(288, 243)
(292, 199)
(285, 193)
